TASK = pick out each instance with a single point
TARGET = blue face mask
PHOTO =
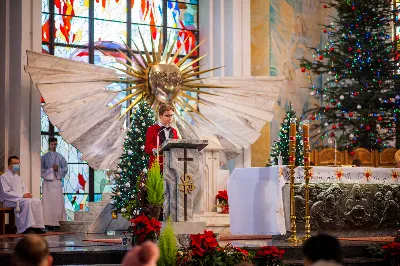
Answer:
(16, 167)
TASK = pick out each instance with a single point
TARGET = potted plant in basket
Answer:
(222, 201)
(155, 191)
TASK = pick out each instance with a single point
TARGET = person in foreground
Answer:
(32, 250)
(146, 254)
(28, 211)
(322, 250)
(160, 132)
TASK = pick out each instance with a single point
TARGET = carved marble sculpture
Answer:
(78, 101)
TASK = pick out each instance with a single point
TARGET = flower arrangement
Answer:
(205, 250)
(222, 200)
(144, 229)
(269, 256)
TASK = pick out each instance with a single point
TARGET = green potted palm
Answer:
(155, 191)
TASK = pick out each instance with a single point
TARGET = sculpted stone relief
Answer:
(350, 206)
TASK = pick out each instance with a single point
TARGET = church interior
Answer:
(199, 132)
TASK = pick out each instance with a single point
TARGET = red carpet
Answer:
(47, 234)
(243, 237)
(113, 241)
(369, 238)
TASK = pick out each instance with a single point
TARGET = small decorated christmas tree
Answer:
(134, 161)
(281, 146)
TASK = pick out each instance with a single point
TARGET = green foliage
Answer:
(357, 99)
(168, 246)
(281, 146)
(155, 185)
(133, 161)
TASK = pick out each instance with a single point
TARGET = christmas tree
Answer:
(281, 146)
(357, 98)
(134, 161)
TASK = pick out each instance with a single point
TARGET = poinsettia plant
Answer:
(144, 228)
(269, 256)
(205, 250)
(222, 199)
(392, 253)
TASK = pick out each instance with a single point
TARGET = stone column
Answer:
(20, 30)
(211, 173)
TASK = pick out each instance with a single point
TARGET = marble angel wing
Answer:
(235, 115)
(77, 104)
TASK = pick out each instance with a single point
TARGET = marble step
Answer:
(75, 226)
(212, 218)
(85, 216)
(360, 261)
(97, 207)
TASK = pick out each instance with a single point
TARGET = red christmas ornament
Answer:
(312, 117)
(332, 134)
(349, 49)
(340, 125)
(325, 31)
(351, 114)
(320, 57)
(379, 118)
(379, 141)
(325, 6)
(334, 127)
(352, 153)
(355, 93)
(303, 69)
(367, 128)
(353, 8)
(327, 107)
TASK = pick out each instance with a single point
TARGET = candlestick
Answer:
(292, 160)
(307, 177)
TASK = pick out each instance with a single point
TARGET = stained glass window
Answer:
(96, 32)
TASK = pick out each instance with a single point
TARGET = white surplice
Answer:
(52, 190)
(28, 211)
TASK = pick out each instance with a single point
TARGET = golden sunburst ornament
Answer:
(158, 78)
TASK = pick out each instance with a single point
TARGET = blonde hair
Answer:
(164, 108)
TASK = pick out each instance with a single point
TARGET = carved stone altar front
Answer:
(349, 209)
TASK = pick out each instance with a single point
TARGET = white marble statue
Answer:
(28, 211)
(54, 169)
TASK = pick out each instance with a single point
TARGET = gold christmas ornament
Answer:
(114, 215)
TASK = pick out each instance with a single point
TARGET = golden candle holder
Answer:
(307, 176)
(292, 160)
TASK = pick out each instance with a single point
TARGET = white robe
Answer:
(52, 190)
(28, 211)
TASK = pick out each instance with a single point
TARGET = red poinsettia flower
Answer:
(222, 195)
(269, 252)
(245, 252)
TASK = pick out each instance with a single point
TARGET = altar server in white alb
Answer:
(28, 211)
(54, 169)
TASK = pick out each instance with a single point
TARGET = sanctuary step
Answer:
(82, 220)
(216, 222)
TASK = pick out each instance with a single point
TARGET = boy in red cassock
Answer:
(158, 133)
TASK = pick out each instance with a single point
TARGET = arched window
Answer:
(91, 31)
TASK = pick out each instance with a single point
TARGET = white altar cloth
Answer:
(255, 201)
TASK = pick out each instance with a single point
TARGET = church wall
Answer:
(281, 31)
(20, 100)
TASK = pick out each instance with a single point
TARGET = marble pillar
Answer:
(20, 30)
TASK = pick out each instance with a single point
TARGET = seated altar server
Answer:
(28, 211)
(54, 169)
(160, 132)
